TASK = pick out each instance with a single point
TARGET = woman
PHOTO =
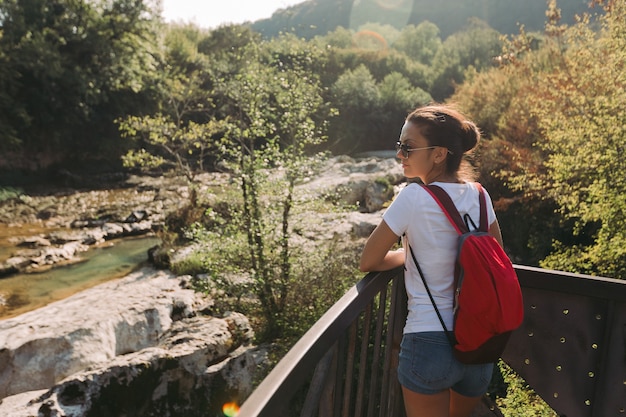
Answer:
(433, 142)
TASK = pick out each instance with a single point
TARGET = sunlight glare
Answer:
(230, 409)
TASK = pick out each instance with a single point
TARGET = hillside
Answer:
(316, 17)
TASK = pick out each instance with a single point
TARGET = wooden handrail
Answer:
(570, 350)
(295, 367)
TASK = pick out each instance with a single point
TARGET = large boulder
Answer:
(194, 371)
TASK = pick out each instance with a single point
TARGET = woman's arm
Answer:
(494, 230)
(376, 255)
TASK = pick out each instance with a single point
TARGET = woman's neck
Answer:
(442, 177)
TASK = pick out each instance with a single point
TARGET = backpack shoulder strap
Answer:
(445, 202)
(432, 299)
(447, 206)
(483, 226)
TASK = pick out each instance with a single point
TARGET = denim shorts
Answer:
(428, 366)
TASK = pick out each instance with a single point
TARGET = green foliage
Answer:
(582, 120)
(320, 279)
(71, 67)
(376, 36)
(182, 49)
(341, 38)
(371, 113)
(7, 193)
(356, 90)
(420, 42)
(186, 134)
(520, 400)
(474, 47)
(399, 96)
(279, 119)
(225, 39)
(222, 263)
(181, 148)
(555, 139)
(358, 100)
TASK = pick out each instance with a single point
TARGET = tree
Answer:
(553, 130)
(73, 66)
(375, 36)
(420, 42)
(397, 94)
(398, 97)
(175, 141)
(581, 109)
(474, 47)
(275, 104)
(356, 95)
(338, 38)
(185, 134)
(9, 108)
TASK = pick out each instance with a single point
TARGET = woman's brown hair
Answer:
(443, 125)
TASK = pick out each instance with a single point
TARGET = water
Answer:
(25, 292)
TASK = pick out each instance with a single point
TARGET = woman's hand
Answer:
(376, 255)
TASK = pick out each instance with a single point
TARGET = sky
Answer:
(212, 13)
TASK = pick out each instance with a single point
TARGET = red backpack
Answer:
(488, 303)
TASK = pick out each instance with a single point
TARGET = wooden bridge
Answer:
(571, 350)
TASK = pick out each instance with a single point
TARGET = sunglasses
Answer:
(404, 149)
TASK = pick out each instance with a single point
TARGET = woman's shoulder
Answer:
(415, 190)
(412, 188)
(411, 195)
(457, 186)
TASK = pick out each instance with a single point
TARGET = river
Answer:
(25, 292)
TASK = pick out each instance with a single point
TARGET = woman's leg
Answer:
(462, 406)
(422, 405)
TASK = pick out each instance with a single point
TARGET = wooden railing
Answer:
(571, 349)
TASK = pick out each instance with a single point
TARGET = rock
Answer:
(21, 405)
(30, 260)
(148, 350)
(376, 194)
(62, 237)
(17, 262)
(102, 215)
(61, 247)
(366, 184)
(41, 347)
(363, 224)
(178, 377)
(136, 216)
(34, 242)
(113, 229)
(6, 270)
(159, 257)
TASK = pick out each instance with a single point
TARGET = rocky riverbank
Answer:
(72, 221)
(148, 344)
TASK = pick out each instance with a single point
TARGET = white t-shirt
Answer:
(415, 215)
